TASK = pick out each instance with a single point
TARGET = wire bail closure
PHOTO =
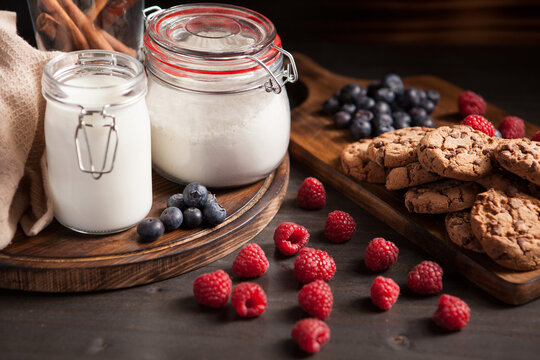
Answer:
(274, 84)
(111, 135)
(289, 74)
(150, 12)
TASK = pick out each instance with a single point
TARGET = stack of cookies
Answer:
(487, 186)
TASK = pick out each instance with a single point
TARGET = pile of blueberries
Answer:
(381, 107)
(188, 209)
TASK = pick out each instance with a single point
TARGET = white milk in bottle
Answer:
(97, 134)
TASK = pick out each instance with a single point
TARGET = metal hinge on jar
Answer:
(289, 74)
(109, 121)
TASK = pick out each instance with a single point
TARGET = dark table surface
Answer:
(164, 321)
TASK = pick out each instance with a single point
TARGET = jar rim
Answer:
(211, 31)
(73, 64)
(198, 46)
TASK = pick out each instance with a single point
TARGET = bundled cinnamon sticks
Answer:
(69, 28)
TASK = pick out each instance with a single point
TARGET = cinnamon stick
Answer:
(114, 11)
(118, 45)
(58, 12)
(95, 37)
(46, 24)
(51, 27)
(96, 9)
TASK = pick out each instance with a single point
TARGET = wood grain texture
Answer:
(60, 260)
(316, 143)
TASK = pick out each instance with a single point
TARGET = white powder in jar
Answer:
(219, 140)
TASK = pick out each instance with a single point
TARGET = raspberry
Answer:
(425, 278)
(312, 264)
(311, 194)
(212, 289)
(512, 127)
(384, 292)
(290, 238)
(380, 254)
(536, 136)
(452, 313)
(250, 262)
(480, 123)
(316, 299)
(339, 226)
(310, 334)
(470, 103)
(248, 299)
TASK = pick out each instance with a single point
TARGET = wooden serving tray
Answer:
(317, 144)
(60, 260)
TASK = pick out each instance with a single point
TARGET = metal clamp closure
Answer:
(109, 121)
(150, 12)
(289, 74)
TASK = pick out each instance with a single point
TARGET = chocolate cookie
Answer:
(457, 152)
(356, 163)
(508, 227)
(396, 148)
(504, 181)
(409, 175)
(521, 157)
(534, 190)
(441, 197)
(458, 227)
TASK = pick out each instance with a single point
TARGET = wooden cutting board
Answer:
(60, 260)
(317, 144)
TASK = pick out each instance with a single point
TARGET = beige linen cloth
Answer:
(23, 196)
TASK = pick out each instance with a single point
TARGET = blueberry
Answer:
(428, 105)
(192, 218)
(365, 103)
(372, 88)
(382, 120)
(195, 195)
(177, 201)
(400, 101)
(150, 229)
(395, 107)
(393, 82)
(331, 105)
(417, 113)
(349, 107)
(211, 198)
(171, 218)
(214, 213)
(381, 108)
(385, 94)
(383, 129)
(497, 133)
(360, 129)
(358, 97)
(411, 98)
(401, 119)
(349, 92)
(425, 121)
(342, 119)
(364, 115)
(433, 95)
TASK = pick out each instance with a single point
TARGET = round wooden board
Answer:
(60, 260)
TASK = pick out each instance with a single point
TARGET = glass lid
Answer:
(212, 31)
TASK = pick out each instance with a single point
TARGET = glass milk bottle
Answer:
(218, 106)
(97, 135)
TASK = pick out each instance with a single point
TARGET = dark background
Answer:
(489, 46)
(457, 22)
